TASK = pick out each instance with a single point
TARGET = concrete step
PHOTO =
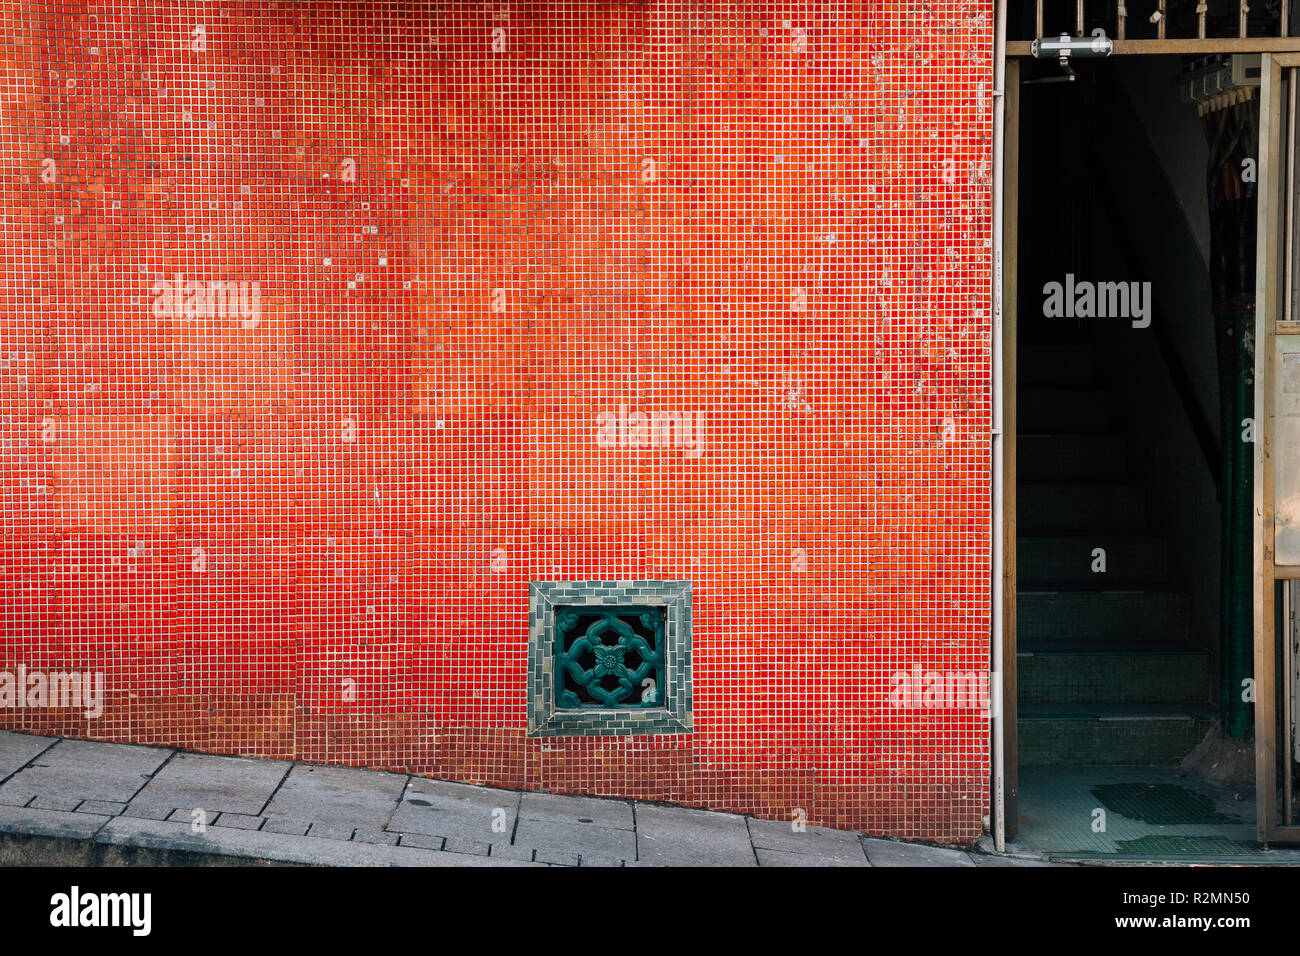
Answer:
(1054, 365)
(1066, 735)
(1080, 507)
(1070, 672)
(1083, 615)
(1070, 458)
(1053, 560)
(1067, 410)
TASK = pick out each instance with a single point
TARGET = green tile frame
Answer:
(545, 719)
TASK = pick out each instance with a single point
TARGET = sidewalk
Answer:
(78, 803)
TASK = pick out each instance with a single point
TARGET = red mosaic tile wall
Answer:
(295, 514)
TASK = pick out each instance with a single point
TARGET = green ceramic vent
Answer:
(609, 657)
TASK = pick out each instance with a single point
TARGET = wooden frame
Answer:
(1275, 212)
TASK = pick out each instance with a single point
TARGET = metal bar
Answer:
(1121, 18)
(1286, 18)
(997, 718)
(1188, 45)
(1078, 18)
(1038, 18)
(1245, 10)
(1010, 283)
(1160, 22)
(1201, 9)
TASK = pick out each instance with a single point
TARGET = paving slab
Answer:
(835, 847)
(17, 749)
(482, 814)
(891, 853)
(674, 836)
(291, 827)
(148, 813)
(472, 847)
(768, 857)
(422, 840)
(51, 823)
(375, 836)
(161, 834)
(88, 770)
(580, 838)
(243, 821)
(563, 808)
(557, 858)
(338, 795)
(214, 784)
(331, 831)
(105, 807)
(56, 803)
(510, 852)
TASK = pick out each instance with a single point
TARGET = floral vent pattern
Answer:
(610, 657)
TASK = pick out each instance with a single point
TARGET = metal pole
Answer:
(995, 702)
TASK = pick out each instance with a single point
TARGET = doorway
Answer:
(1131, 241)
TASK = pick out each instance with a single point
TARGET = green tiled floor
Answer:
(1136, 814)
(1164, 804)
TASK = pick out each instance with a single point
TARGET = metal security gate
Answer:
(1165, 26)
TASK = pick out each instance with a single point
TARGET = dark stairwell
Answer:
(1107, 671)
(1116, 453)
(1119, 438)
